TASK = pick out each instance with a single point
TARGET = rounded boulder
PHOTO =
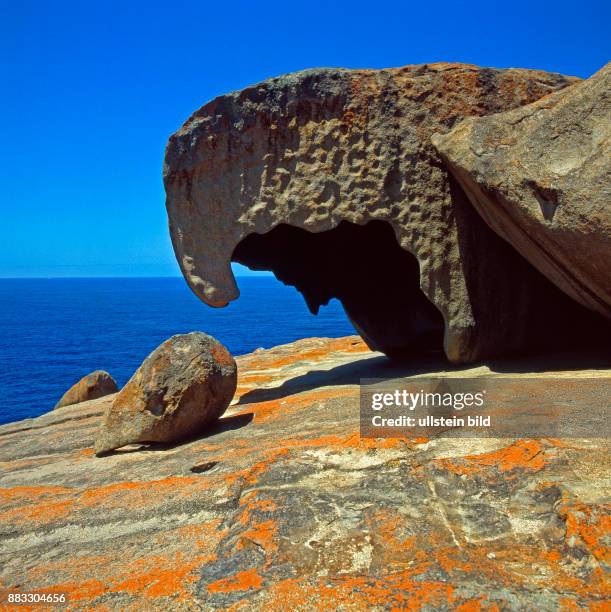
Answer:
(181, 387)
(94, 385)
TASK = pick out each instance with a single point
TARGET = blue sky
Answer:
(92, 90)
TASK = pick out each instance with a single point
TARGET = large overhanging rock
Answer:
(540, 176)
(319, 155)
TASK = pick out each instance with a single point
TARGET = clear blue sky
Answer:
(91, 91)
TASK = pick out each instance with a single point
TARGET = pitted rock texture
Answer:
(94, 385)
(284, 507)
(317, 148)
(540, 176)
(183, 385)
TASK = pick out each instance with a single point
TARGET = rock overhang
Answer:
(315, 148)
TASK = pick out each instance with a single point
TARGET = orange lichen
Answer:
(41, 513)
(521, 455)
(241, 581)
(281, 357)
(31, 493)
(273, 409)
(137, 493)
(262, 534)
(159, 576)
(151, 577)
(352, 440)
(589, 526)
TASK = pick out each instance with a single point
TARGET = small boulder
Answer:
(182, 386)
(94, 385)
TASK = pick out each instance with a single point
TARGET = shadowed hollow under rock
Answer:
(362, 266)
(377, 282)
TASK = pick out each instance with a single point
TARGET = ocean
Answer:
(54, 331)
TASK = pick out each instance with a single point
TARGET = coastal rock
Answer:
(182, 386)
(328, 177)
(287, 507)
(94, 385)
(540, 176)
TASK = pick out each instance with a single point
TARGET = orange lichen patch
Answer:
(32, 494)
(349, 344)
(251, 502)
(88, 589)
(590, 525)
(242, 581)
(255, 377)
(202, 538)
(22, 464)
(406, 586)
(41, 513)
(40, 505)
(138, 493)
(221, 355)
(272, 409)
(287, 355)
(395, 550)
(44, 505)
(151, 577)
(567, 604)
(397, 591)
(249, 475)
(511, 565)
(77, 566)
(477, 605)
(160, 577)
(262, 534)
(352, 440)
(514, 565)
(521, 455)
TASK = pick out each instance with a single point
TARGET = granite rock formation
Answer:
(285, 507)
(94, 385)
(540, 176)
(328, 177)
(182, 386)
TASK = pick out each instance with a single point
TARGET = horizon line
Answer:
(257, 273)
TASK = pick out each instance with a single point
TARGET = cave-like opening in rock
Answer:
(363, 266)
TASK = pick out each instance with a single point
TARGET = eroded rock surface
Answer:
(332, 150)
(540, 176)
(94, 385)
(284, 506)
(183, 385)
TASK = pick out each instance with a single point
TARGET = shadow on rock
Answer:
(350, 374)
(224, 424)
(382, 367)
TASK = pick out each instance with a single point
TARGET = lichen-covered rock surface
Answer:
(540, 176)
(321, 147)
(284, 507)
(94, 385)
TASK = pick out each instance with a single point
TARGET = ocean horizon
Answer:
(57, 330)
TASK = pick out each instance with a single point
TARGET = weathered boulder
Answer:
(94, 385)
(540, 176)
(328, 177)
(182, 386)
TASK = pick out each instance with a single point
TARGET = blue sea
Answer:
(54, 331)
